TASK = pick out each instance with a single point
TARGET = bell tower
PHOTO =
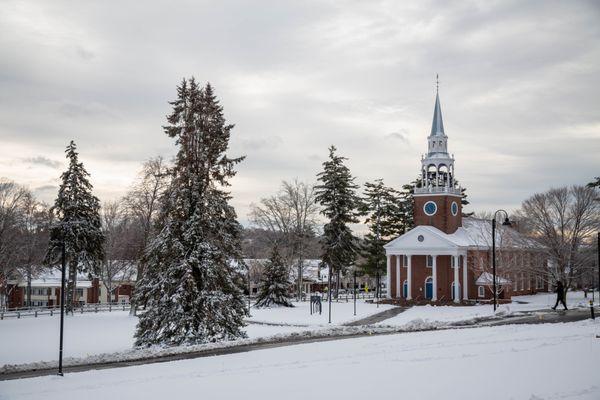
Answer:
(437, 197)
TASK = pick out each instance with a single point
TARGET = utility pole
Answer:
(354, 291)
(494, 259)
(377, 292)
(62, 308)
(329, 290)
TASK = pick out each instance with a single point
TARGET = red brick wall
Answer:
(443, 218)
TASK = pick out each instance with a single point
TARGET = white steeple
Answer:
(437, 166)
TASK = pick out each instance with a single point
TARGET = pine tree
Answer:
(275, 283)
(191, 289)
(386, 219)
(78, 226)
(336, 194)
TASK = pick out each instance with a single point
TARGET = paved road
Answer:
(540, 317)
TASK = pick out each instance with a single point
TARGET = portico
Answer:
(428, 264)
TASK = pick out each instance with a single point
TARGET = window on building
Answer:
(480, 291)
(405, 257)
(539, 283)
(430, 261)
(79, 292)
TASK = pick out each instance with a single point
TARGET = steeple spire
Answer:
(437, 127)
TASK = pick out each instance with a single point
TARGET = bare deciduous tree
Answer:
(291, 217)
(563, 220)
(120, 256)
(142, 206)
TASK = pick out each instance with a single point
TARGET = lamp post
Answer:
(354, 291)
(62, 309)
(329, 290)
(598, 249)
(505, 223)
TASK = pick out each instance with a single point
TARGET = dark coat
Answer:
(560, 290)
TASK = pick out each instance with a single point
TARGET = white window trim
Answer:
(480, 291)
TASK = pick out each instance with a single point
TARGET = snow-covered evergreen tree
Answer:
(386, 219)
(275, 283)
(191, 289)
(336, 193)
(78, 226)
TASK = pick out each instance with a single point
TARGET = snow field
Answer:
(90, 334)
(341, 313)
(504, 362)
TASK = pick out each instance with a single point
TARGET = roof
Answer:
(437, 126)
(486, 279)
(51, 278)
(474, 234)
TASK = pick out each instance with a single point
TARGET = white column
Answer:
(434, 277)
(398, 288)
(465, 277)
(409, 278)
(456, 282)
(388, 278)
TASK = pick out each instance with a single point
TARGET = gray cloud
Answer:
(41, 160)
(401, 135)
(517, 88)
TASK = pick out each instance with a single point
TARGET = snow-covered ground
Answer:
(432, 314)
(341, 312)
(547, 300)
(36, 339)
(505, 362)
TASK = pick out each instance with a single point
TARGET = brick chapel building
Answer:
(447, 257)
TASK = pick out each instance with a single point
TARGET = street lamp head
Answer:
(506, 222)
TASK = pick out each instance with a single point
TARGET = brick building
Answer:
(45, 290)
(447, 257)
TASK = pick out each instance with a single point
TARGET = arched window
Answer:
(405, 289)
(480, 291)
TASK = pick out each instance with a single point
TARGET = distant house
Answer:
(45, 290)
(314, 278)
(446, 257)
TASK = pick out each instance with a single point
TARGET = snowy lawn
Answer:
(506, 362)
(442, 314)
(547, 300)
(36, 339)
(341, 312)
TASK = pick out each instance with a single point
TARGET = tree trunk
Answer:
(71, 287)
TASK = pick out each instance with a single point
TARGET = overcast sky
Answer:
(519, 85)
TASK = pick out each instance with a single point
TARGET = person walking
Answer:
(560, 295)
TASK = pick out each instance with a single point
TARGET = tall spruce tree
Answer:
(275, 283)
(336, 193)
(386, 219)
(191, 289)
(77, 226)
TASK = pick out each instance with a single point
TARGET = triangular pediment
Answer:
(423, 238)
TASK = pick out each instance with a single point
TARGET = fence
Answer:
(345, 296)
(35, 311)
